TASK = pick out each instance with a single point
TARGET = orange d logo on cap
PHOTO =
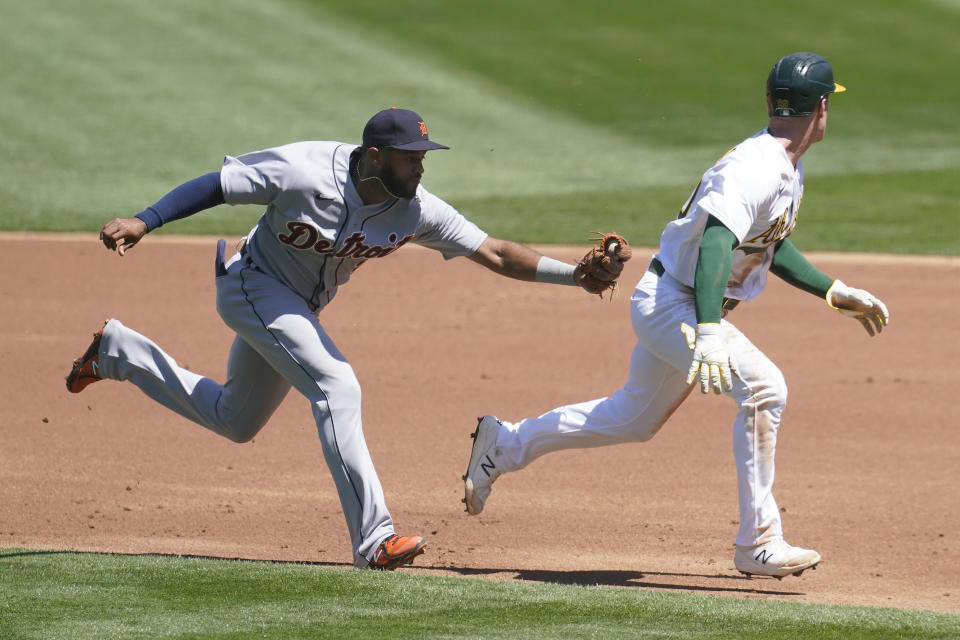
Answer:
(398, 129)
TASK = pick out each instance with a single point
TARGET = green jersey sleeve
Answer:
(713, 270)
(792, 267)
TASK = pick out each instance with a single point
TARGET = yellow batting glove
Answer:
(711, 362)
(859, 304)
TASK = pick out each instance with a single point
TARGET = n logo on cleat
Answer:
(95, 368)
(487, 466)
(763, 556)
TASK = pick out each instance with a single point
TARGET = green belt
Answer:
(657, 267)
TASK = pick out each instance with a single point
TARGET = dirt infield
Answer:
(867, 464)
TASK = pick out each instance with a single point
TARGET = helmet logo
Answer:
(423, 127)
(783, 103)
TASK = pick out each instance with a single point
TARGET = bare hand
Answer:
(121, 234)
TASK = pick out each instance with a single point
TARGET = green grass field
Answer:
(565, 117)
(54, 595)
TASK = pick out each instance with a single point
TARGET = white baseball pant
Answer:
(656, 386)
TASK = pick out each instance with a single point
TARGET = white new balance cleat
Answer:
(481, 470)
(775, 558)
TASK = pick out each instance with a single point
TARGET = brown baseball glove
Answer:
(599, 269)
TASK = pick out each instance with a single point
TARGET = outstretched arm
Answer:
(515, 260)
(121, 234)
(793, 267)
(595, 273)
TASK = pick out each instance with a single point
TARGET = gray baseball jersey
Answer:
(316, 230)
(312, 236)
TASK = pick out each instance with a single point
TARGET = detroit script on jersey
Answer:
(316, 230)
(306, 237)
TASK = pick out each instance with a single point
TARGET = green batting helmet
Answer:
(797, 82)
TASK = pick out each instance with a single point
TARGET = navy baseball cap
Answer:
(399, 129)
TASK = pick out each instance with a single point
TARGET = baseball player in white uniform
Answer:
(731, 232)
(330, 207)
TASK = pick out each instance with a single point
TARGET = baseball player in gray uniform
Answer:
(330, 207)
(732, 231)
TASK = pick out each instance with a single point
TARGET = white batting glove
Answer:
(710, 358)
(859, 304)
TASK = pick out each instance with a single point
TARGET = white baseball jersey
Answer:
(755, 191)
(316, 230)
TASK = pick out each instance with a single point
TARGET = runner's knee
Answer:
(771, 392)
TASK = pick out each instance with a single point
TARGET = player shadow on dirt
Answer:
(636, 579)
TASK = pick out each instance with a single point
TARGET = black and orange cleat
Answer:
(396, 551)
(86, 368)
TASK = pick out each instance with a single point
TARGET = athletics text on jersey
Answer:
(755, 191)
